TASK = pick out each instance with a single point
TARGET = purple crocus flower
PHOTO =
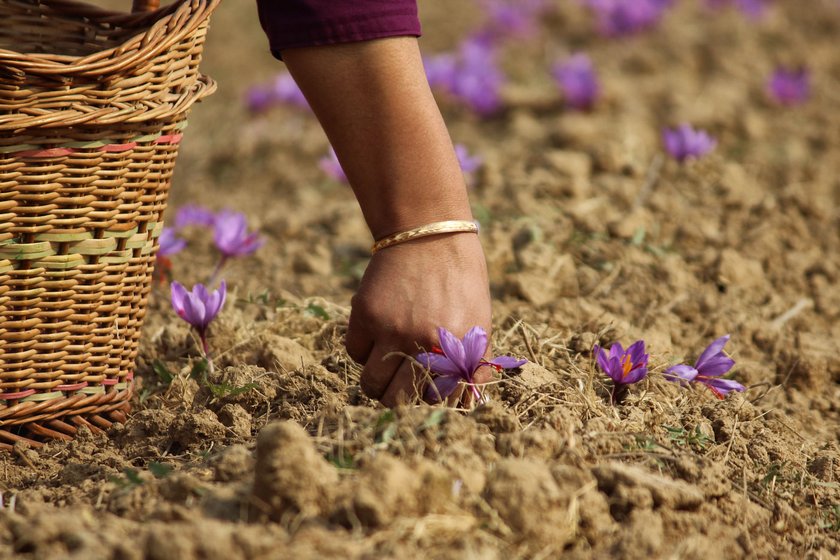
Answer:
(624, 17)
(330, 165)
(441, 70)
(789, 86)
(169, 243)
(282, 91)
(467, 162)
(258, 99)
(471, 76)
(198, 307)
(684, 142)
(708, 369)
(194, 215)
(231, 235)
(458, 360)
(479, 79)
(578, 81)
(285, 90)
(513, 18)
(623, 366)
(752, 9)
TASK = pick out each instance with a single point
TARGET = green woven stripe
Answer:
(138, 241)
(18, 148)
(125, 233)
(61, 262)
(64, 237)
(98, 390)
(43, 396)
(26, 251)
(89, 144)
(94, 246)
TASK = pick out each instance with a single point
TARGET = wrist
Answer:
(389, 215)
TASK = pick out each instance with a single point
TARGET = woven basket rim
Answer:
(157, 31)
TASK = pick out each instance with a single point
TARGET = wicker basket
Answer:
(92, 108)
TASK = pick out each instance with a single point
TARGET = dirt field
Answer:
(592, 235)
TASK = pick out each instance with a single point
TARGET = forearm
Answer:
(374, 103)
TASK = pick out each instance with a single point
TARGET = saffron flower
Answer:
(441, 70)
(684, 142)
(169, 243)
(513, 18)
(616, 18)
(330, 165)
(479, 79)
(194, 215)
(708, 369)
(789, 86)
(286, 91)
(624, 367)
(231, 235)
(457, 361)
(578, 82)
(467, 162)
(752, 9)
(198, 307)
(282, 91)
(471, 76)
(258, 99)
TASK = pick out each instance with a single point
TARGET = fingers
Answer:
(408, 383)
(357, 341)
(379, 371)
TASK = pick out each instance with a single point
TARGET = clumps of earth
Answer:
(591, 237)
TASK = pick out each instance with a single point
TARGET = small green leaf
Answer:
(220, 390)
(638, 236)
(434, 419)
(343, 460)
(199, 369)
(385, 418)
(317, 311)
(164, 375)
(133, 476)
(159, 470)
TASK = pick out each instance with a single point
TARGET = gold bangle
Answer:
(436, 228)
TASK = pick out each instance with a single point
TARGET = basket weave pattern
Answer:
(89, 133)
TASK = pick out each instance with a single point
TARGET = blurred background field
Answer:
(593, 234)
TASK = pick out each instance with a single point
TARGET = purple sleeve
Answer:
(306, 23)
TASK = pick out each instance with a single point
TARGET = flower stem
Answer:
(219, 265)
(205, 348)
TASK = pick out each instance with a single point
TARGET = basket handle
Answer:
(144, 6)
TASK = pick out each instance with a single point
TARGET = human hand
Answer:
(407, 292)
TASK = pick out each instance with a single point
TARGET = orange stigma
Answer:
(626, 366)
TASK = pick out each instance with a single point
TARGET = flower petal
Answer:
(194, 311)
(724, 386)
(602, 359)
(616, 351)
(475, 345)
(507, 362)
(716, 366)
(222, 297)
(439, 364)
(178, 293)
(713, 349)
(614, 370)
(634, 375)
(636, 351)
(454, 350)
(681, 373)
(441, 387)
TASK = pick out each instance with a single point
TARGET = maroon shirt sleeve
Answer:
(306, 23)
